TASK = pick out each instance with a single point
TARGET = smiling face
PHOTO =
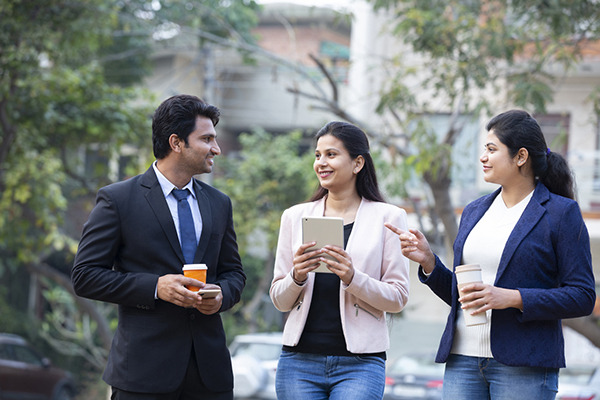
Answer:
(201, 148)
(498, 165)
(334, 166)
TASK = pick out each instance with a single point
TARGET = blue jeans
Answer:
(476, 378)
(302, 376)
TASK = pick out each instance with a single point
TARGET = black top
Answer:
(323, 333)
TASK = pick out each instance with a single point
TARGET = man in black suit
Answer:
(170, 343)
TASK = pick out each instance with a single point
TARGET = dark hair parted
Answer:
(356, 143)
(177, 116)
(517, 129)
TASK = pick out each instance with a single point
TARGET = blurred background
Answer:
(79, 80)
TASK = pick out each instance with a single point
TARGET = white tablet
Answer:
(324, 231)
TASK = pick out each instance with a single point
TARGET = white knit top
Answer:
(484, 246)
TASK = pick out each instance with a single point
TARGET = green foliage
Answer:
(527, 89)
(11, 321)
(268, 176)
(432, 157)
(54, 101)
(475, 43)
(464, 50)
(142, 24)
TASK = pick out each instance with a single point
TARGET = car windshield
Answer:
(576, 375)
(418, 365)
(261, 351)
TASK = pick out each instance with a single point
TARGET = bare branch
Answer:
(86, 305)
(454, 131)
(332, 82)
(82, 181)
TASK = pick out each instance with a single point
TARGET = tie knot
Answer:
(180, 194)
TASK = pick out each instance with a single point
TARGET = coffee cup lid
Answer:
(467, 267)
(188, 267)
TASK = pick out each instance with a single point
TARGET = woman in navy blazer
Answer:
(539, 271)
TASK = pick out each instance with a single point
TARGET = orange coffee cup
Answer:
(195, 271)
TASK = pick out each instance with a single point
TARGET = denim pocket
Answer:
(370, 360)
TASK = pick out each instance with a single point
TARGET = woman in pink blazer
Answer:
(335, 337)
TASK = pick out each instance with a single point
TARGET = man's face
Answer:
(197, 157)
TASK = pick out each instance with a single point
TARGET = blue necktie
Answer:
(187, 232)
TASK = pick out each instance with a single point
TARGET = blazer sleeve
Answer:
(284, 291)
(93, 276)
(440, 281)
(575, 295)
(389, 291)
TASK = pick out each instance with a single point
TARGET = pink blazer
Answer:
(380, 282)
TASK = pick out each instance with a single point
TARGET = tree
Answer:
(269, 174)
(52, 102)
(59, 99)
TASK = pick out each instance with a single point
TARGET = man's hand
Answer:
(210, 305)
(172, 288)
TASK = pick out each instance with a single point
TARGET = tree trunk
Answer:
(9, 133)
(440, 188)
(86, 305)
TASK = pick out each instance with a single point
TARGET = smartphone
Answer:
(324, 231)
(209, 293)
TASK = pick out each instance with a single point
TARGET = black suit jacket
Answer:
(129, 241)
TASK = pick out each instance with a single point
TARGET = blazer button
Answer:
(192, 317)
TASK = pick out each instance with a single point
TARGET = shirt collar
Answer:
(167, 186)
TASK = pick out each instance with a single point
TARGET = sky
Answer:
(335, 4)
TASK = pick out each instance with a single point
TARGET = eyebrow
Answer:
(490, 144)
(208, 134)
(329, 149)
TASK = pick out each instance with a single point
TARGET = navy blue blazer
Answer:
(128, 242)
(547, 258)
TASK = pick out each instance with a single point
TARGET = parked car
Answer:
(24, 374)
(579, 382)
(414, 376)
(254, 358)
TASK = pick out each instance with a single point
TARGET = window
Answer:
(555, 128)
(26, 355)
(4, 354)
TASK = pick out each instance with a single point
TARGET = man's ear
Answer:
(176, 143)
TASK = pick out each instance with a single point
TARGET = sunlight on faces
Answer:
(498, 166)
(333, 165)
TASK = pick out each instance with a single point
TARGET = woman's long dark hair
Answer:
(356, 143)
(517, 129)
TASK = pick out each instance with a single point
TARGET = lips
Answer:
(325, 174)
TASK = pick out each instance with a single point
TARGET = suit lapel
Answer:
(530, 217)
(468, 222)
(206, 213)
(158, 203)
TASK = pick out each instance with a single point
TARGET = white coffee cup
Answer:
(465, 275)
